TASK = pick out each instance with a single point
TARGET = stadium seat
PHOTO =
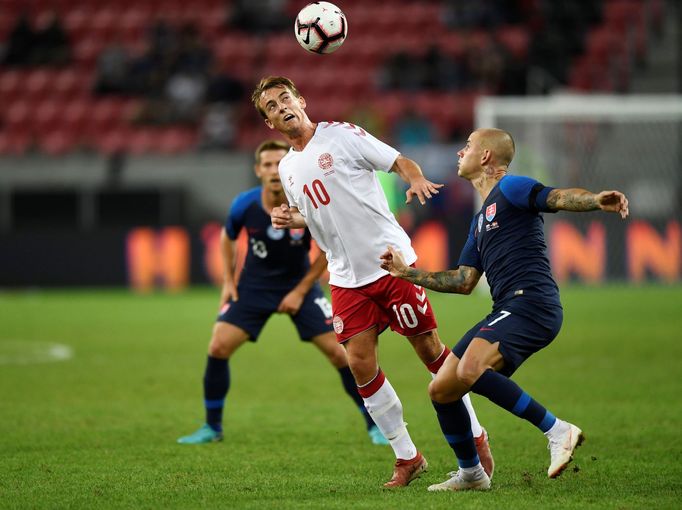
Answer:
(515, 40)
(142, 141)
(87, 49)
(104, 23)
(38, 84)
(14, 143)
(47, 116)
(18, 116)
(57, 143)
(112, 141)
(76, 115)
(176, 140)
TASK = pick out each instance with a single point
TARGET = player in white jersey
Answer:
(329, 180)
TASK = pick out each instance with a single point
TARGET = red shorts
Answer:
(389, 301)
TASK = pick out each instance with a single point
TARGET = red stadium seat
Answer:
(87, 49)
(11, 85)
(18, 116)
(14, 143)
(176, 140)
(515, 39)
(77, 23)
(142, 141)
(112, 141)
(68, 84)
(57, 143)
(107, 114)
(105, 22)
(76, 116)
(47, 116)
(38, 84)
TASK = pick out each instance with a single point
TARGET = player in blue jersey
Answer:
(277, 277)
(507, 243)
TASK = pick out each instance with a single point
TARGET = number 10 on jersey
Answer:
(319, 191)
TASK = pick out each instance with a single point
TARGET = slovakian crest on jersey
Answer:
(490, 211)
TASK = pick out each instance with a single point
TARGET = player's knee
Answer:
(468, 373)
(338, 358)
(218, 347)
(364, 368)
(438, 392)
(428, 346)
(222, 344)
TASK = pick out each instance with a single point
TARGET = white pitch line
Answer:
(24, 352)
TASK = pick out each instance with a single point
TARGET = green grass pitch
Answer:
(99, 430)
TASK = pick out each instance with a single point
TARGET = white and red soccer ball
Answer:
(321, 27)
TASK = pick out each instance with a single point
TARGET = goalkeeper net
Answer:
(628, 143)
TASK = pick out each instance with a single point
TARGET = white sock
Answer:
(387, 412)
(472, 473)
(557, 429)
(476, 428)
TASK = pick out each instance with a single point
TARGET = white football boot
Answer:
(461, 481)
(561, 448)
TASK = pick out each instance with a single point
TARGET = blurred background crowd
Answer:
(92, 92)
(173, 76)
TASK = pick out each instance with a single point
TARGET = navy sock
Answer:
(216, 385)
(507, 394)
(351, 388)
(456, 426)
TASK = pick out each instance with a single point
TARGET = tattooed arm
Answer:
(576, 199)
(458, 281)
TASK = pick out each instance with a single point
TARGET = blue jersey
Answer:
(507, 242)
(276, 259)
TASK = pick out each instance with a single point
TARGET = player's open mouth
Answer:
(288, 117)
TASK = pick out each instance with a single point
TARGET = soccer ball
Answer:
(321, 27)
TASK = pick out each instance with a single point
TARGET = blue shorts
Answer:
(255, 307)
(522, 326)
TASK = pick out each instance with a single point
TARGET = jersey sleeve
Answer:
(235, 218)
(376, 154)
(526, 193)
(469, 255)
(290, 199)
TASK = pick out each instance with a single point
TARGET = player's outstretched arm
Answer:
(411, 173)
(291, 303)
(286, 217)
(227, 250)
(581, 200)
(458, 281)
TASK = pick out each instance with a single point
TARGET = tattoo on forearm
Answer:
(573, 199)
(458, 281)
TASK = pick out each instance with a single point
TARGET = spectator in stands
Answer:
(20, 43)
(113, 68)
(458, 14)
(400, 72)
(486, 63)
(51, 42)
(223, 88)
(413, 129)
(218, 128)
(185, 92)
(192, 55)
(260, 16)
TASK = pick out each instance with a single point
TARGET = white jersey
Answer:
(333, 184)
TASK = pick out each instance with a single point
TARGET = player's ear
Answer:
(301, 101)
(269, 124)
(486, 156)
